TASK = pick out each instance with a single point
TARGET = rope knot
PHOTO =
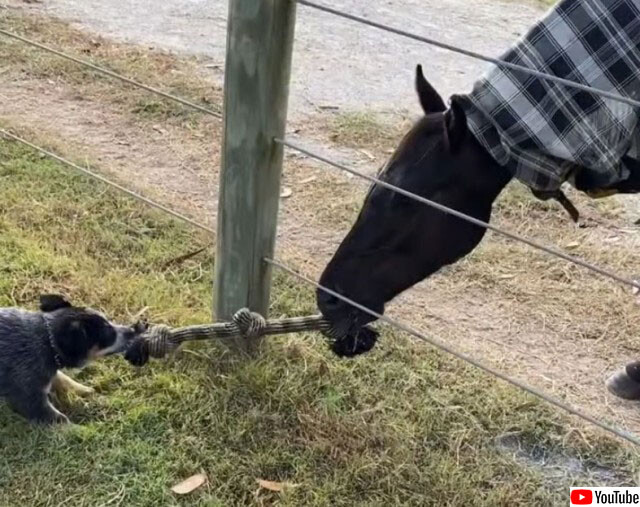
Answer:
(250, 324)
(159, 341)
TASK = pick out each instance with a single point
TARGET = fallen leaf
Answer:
(572, 245)
(286, 192)
(274, 486)
(190, 484)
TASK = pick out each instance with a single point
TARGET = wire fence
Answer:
(373, 180)
(111, 74)
(113, 184)
(445, 209)
(439, 344)
(471, 54)
(625, 435)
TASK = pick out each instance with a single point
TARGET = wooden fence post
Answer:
(256, 91)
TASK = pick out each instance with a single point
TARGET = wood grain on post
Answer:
(257, 70)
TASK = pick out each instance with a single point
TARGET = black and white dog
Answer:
(35, 346)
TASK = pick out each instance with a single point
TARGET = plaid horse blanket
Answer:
(545, 132)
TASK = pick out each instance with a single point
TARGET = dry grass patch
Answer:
(180, 76)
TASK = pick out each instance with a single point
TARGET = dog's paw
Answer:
(52, 418)
(65, 384)
(61, 419)
(84, 391)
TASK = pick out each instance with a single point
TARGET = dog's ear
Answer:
(72, 341)
(53, 302)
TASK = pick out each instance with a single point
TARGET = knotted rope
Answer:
(160, 340)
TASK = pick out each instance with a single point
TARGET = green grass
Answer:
(403, 425)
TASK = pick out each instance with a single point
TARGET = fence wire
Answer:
(445, 209)
(471, 54)
(117, 186)
(439, 344)
(111, 74)
(625, 435)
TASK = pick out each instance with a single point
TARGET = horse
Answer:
(397, 242)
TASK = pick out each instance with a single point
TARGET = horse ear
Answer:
(455, 121)
(430, 100)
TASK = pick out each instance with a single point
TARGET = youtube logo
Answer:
(611, 497)
(581, 497)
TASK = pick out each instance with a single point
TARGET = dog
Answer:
(35, 346)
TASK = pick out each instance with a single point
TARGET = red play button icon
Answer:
(581, 497)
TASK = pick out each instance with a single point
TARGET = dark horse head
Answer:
(397, 242)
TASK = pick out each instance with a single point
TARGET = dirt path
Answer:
(552, 326)
(336, 62)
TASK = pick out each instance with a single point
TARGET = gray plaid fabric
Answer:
(543, 131)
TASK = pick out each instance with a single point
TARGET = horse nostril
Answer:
(328, 302)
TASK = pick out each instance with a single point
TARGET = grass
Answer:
(357, 129)
(501, 268)
(179, 76)
(404, 425)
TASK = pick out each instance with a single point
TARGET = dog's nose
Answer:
(140, 327)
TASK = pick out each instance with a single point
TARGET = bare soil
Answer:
(336, 63)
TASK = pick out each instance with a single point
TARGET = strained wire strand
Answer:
(113, 184)
(111, 73)
(439, 344)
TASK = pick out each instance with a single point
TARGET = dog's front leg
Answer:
(64, 384)
(36, 407)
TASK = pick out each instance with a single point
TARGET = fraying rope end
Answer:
(155, 342)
